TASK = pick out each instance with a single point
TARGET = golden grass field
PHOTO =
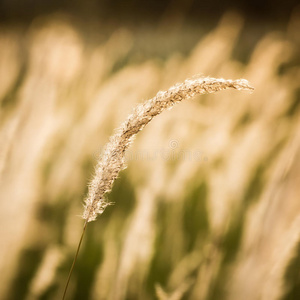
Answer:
(209, 205)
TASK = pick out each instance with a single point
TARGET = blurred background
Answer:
(208, 207)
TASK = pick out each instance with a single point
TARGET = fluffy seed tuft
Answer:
(113, 159)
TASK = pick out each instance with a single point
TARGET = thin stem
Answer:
(74, 261)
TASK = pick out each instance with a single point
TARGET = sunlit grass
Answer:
(208, 207)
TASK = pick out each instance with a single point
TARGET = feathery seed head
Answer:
(113, 159)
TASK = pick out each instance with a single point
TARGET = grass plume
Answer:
(222, 197)
(113, 159)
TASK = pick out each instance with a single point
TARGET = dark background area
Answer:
(23, 11)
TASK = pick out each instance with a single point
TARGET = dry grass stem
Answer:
(215, 180)
(113, 159)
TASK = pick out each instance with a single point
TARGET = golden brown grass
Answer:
(113, 158)
(208, 206)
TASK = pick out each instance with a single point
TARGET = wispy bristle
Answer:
(113, 159)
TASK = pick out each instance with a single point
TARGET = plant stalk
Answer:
(75, 259)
